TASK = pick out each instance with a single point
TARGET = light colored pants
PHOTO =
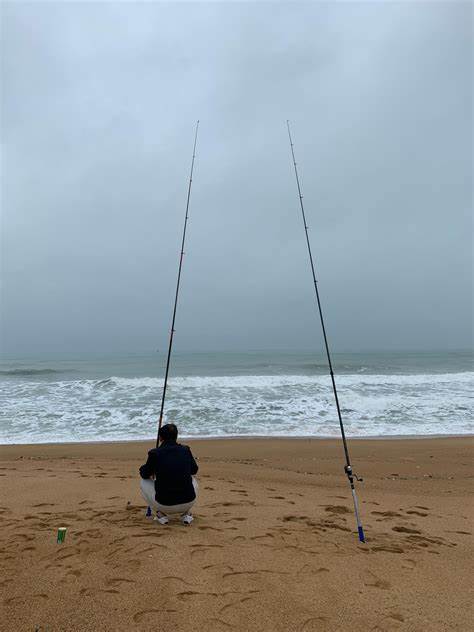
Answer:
(147, 486)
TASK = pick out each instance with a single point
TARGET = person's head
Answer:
(168, 432)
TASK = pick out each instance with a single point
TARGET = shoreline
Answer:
(350, 439)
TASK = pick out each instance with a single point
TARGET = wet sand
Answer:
(273, 546)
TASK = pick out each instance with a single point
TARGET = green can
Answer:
(61, 535)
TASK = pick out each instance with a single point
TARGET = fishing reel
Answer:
(350, 474)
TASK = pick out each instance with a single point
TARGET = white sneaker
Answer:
(161, 518)
(187, 518)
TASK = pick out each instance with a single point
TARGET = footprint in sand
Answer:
(12, 600)
(309, 570)
(314, 623)
(390, 622)
(376, 582)
(337, 509)
(93, 533)
(220, 624)
(186, 595)
(323, 525)
(24, 536)
(387, 514)
(234, 603)
(113, 581)
(19, 599)
(263, 536)
(209, 528)
(256, 572)
(424, 542)
(396, 617)
(294, 518)
(409, 564)
(387, 549)
(230, 504)
(207, 566)
(204, 548)
(400, 529)
(180, 579)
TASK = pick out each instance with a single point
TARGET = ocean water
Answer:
(58, 398)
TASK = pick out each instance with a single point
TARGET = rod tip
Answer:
(361, 534)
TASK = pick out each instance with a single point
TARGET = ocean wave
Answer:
(272, 405)
(27, 372)
(257, 381)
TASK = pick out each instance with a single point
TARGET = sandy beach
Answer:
(272, 547)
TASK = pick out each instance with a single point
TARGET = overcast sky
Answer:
(99, 102)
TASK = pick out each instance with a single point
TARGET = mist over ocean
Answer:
(115, 397)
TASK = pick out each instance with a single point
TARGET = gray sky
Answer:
(99, 103)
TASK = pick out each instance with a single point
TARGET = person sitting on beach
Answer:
(167, 482)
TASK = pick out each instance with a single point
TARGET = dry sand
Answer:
(272, 547)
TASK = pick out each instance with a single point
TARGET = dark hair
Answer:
(168, 432)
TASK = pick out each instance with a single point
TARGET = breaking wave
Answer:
(117, 408)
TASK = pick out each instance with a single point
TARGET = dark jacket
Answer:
(173, 465)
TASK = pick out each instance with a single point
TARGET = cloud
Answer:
(99, 102)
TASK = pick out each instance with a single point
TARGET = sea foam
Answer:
(119, 408)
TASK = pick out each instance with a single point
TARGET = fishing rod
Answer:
(348, 467)
(170, 346)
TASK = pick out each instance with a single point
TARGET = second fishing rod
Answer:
(348, 467)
